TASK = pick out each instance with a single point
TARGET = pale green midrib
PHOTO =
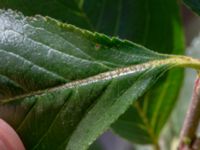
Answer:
(175, 61)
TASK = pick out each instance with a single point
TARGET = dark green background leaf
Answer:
(65, 10)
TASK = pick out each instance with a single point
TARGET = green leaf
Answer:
(71, 83)
(149, 21)
(155, 24)
(194, 5)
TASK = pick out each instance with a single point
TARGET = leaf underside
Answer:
(155, 24)
(63, 86)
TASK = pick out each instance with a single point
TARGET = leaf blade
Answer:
(32, 109)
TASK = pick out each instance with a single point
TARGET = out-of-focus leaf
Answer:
(65, 10)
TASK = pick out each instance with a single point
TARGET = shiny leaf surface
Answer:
(155, 24)
(70, 84)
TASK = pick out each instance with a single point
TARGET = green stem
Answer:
(185, 61)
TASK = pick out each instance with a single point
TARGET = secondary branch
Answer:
(188, 137)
